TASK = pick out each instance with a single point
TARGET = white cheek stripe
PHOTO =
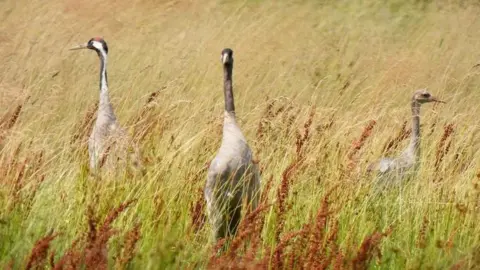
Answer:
(97, 45)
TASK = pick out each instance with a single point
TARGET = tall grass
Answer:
(322, 89)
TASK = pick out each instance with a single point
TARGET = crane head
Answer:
(96, 43)
(227, 56)
(423, 96)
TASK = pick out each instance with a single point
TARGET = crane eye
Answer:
(426, 95)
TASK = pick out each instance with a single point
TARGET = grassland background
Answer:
(354, 61)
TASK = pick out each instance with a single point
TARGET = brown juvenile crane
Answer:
(400, 167)
(232, 175)
(108, 142)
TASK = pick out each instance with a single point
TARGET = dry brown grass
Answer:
(39, 252)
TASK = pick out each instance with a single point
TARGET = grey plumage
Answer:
(399, 168)
(232, 175)
(108, 144)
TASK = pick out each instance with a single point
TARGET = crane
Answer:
(400, 167)
(109, 142)
(232, 175)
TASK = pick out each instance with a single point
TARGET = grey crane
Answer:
(398, 168)
(232, 175)
(109, 143)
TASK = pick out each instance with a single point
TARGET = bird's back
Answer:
(233, 162)
(384, 165)
(234, 153)
(110, 146)
(391, 172)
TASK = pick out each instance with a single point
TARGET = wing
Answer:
(382, 166)
(386, 165)
(215, 174)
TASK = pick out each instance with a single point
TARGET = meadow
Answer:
(322, 88)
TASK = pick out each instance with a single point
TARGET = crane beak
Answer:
(80, 46)
(225, 58)
(434, 99)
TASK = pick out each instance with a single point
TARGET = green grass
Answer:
(349, 61)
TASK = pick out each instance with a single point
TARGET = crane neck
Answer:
(104, 101)
(414, 146)
(228, 89)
